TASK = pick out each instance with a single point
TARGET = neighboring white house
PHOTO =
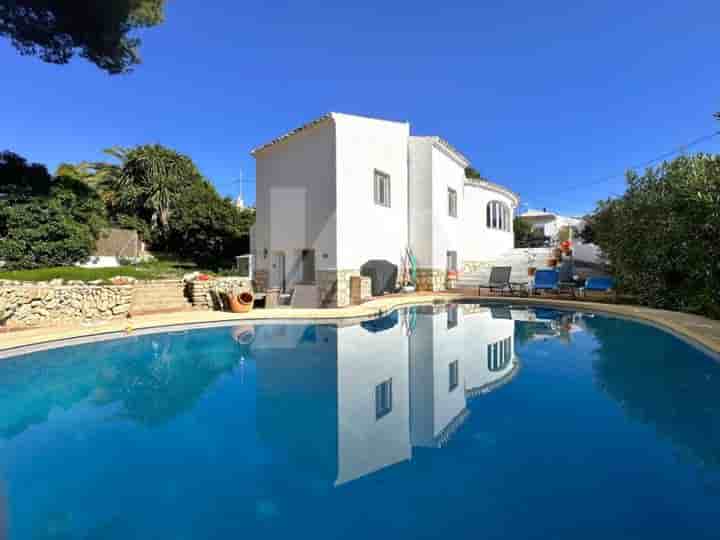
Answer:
(551, 225)
(344, 190)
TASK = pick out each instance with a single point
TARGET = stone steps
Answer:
(166, 295)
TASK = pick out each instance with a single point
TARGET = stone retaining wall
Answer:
(334, 286)
(204, 294)
(30, 304)
(431, 279)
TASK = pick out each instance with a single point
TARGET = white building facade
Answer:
(344, 190)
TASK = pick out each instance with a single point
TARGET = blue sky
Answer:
(544, 97)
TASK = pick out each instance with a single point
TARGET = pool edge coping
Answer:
(156, 323)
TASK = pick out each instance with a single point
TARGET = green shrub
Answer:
(54, 230)
(662, 237)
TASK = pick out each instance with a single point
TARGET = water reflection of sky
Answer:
(254, 428)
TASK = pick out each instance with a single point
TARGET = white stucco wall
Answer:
(296, 199)
(367, 444)
(447, 231)
(433, 347)
(433, 232)
(421, 206)
(481, 243)
(366, 230)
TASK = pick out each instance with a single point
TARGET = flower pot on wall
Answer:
(240, 303)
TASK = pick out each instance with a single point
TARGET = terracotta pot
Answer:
(241, 303)
(203, 277)
(531, 271)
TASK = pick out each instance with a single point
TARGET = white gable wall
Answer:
(296, 199)
(447, 231)
(366, 230)
(421, 206)
(432, 231)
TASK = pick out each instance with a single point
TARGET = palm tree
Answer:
(148, 178)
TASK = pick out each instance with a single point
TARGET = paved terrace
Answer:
(702, 331)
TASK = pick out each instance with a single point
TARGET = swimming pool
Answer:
(472, 420)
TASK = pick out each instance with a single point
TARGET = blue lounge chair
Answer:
(600, 286)
(546, 280)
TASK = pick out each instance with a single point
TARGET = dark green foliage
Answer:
(57, 229)
(154, 190)
(56, 30)
(472, 173)
(207, 228)
(662, 237)
(162, 194)
(20, 179)
(523, 232)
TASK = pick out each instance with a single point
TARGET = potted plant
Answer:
(240, 302)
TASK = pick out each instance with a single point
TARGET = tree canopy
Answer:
(20, 179)
(57, 30)
(661, 236)
(54, 229)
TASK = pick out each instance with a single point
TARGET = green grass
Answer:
(157, 269)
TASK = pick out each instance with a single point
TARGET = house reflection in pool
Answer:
(379, 390)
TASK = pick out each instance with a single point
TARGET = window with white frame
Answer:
(382, 188)
(498, 216)
(452, 203)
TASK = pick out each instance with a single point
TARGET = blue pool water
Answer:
(461, 421)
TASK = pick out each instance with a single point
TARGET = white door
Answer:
(277, 271)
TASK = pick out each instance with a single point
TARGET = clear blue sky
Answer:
(541, 96)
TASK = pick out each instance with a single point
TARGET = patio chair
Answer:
(602, 286)
(499, 279)
(546, 280)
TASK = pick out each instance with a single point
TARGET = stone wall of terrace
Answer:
(207, 294)
(51, 304)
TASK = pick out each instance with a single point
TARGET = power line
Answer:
(678, 150)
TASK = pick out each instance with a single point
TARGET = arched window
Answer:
(497, 216)
(499, 354)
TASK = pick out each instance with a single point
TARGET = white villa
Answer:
(343, 190)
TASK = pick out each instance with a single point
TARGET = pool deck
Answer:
(702, 331)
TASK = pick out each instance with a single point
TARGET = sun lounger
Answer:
(546, 280)
(499, 279)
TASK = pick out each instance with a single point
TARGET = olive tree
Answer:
(662, 236)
